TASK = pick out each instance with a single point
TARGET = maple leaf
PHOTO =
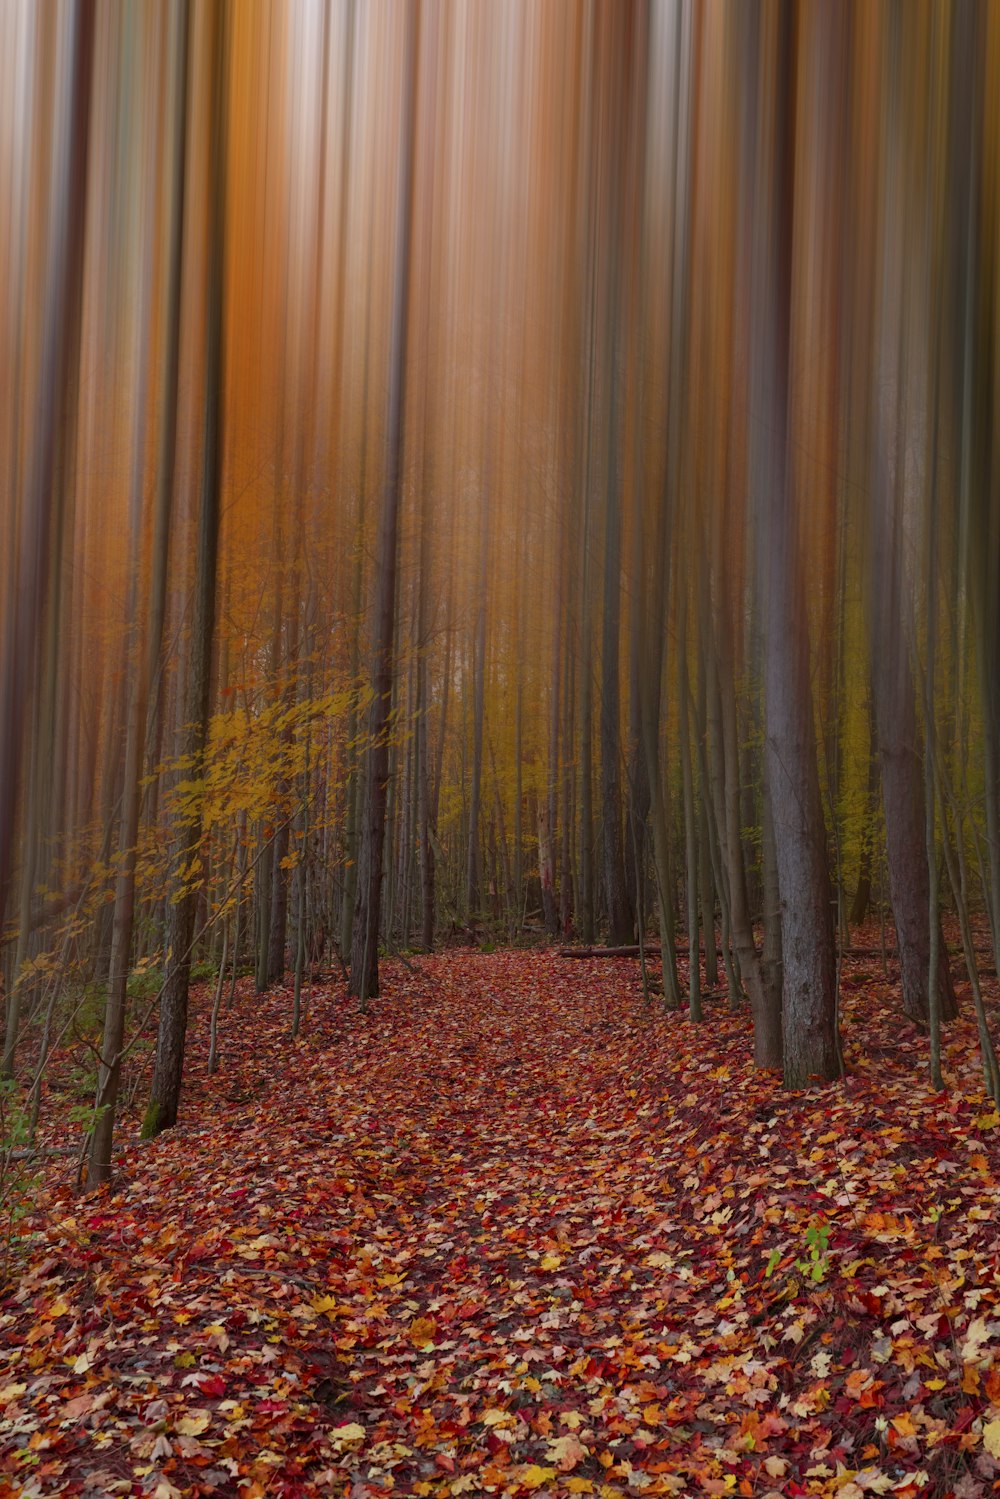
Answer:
(194, 1424)
(496, 1417)
(977, 1334)
(566, 1452)
(423, 1331)
(629, 1351)
(991, 1438)
(345, 1436)
(533, 1477)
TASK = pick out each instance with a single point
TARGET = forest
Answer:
(500, 748)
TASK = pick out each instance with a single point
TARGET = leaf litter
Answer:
(517, 1232)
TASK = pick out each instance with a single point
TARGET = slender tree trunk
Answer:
(128, 827)
(364, 981)
(473, 876)
(168, 1067)
(863, 889)
(51, 444)
(893, 692)
(690, 834)
(902, 789)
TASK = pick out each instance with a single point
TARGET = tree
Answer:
(364, 980)
(809, 1001)
(52, 442)
(169, 1065)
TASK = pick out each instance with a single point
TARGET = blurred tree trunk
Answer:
(363, 980)
(809, 998)
(51, 448)
(169, 1064)
(142, 657)
(869, 835)
(474, 864)
(894, 486)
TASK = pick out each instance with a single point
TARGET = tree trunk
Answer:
(809, 1000)
(364, 979)
(169, 1064)
(52, 440)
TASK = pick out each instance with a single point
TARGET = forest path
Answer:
(509, 1233)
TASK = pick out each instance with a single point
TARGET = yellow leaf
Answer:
(344, 1435)
(551, 1261)
(988, 1121)
(579, 1486)
(422, 1331)
(533, 1476)
(324, 1303)
(658, 1260)
(193, 1425)
(991, 1438)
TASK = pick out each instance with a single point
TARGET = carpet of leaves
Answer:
(517, 1231)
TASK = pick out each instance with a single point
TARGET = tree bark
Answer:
(364, 978)
(172, 1033)
(809, 1001)
(52, 439)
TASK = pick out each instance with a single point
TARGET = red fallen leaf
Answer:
(584, 1336)
(445, 1463)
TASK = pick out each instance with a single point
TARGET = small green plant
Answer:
(204, 971)
(815, 1264)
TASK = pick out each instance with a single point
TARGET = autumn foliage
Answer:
(520, 1231)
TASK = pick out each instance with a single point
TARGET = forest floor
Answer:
(516, 1232)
